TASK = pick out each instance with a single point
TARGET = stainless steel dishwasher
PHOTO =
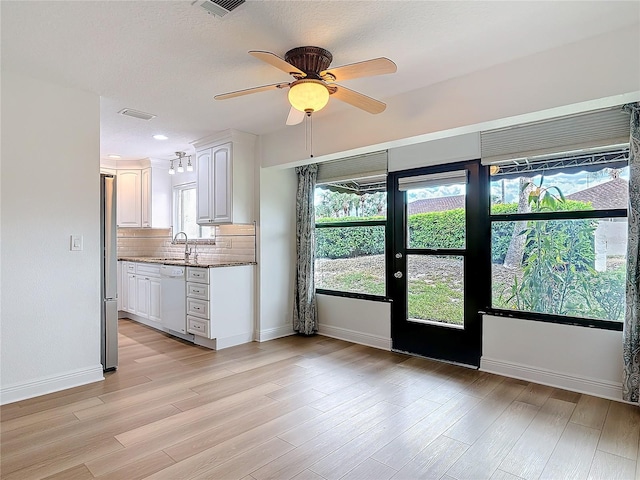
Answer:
(173, 293)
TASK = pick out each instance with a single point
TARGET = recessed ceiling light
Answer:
(113, 156)
(161, 137)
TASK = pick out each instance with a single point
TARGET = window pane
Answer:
(331, 204)
(435, 289)
(350, 259)
(436, 217)
(561, 267)
(188, 212)
(604, 189)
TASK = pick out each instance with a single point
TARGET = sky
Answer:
(567, 183)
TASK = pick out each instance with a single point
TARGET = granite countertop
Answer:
(181, 262)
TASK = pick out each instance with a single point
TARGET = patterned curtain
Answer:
(631, 333)
(304, 307)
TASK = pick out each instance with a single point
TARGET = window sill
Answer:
(559, 319)
(357, 296)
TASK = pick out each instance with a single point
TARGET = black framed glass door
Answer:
(438, 278)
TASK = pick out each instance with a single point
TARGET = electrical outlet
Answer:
(76, 243)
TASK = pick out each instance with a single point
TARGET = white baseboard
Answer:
(353, 336)
(276, 332)
(575, 383)
(54, 383)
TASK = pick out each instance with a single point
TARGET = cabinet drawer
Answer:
(197, 326)
(131, 267)
(198, 275)
(199, 308)
(149, 269)
(198, 290)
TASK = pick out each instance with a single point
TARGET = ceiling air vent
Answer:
(130, 112)
(219, 7)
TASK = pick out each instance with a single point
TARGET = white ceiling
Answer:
(169, 58)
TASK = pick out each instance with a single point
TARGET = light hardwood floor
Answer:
(310, 409)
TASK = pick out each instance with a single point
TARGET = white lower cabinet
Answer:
(141, 292)
(219, 301)
(142, 299)
(220, 304)
(154, 300)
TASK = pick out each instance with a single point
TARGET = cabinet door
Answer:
(154, 299)
(131, 293)
(146, 197)
(204, 187)
(129, 209)
(142, 296)
(222, 184)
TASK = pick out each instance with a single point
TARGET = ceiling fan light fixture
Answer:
(308, 95)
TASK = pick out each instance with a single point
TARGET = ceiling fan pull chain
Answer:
(311, 134)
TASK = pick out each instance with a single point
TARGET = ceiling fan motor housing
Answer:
(311, 60)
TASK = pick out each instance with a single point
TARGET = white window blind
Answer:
(358, 167)
(598, 128)
(433, 180)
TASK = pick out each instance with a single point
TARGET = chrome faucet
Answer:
(187, 250)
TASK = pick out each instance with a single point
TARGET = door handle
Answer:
(398, 274)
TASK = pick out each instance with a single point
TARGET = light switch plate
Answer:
(76, 242)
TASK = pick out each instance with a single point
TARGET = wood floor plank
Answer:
(502, 475)
(244, 463)
(535, 394)
(175, 435)
(79, 472)
(573, 454)
(406, 446)
(281, 409)
(470, 427)
(35, 418)
(209, 459)
(322, 444)
(591, 412)
(621, 431)
(306, 475)
(434, 460)
(351, 454)
(531, 452)
(140, 469)
(370, 469)
(482, 459)
(611, 467)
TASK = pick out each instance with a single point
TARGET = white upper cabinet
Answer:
(144, 197)
(129, 198)
(224, 179)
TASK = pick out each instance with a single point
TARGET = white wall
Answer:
(587, 360)
(354, 320)
(555, 79)
(276, 234)
(50, 324)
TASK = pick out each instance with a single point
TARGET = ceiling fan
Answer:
(315, 81)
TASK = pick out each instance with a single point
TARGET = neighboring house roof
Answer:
(436, 204)
(606, 196)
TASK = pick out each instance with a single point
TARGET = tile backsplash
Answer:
(232, 243)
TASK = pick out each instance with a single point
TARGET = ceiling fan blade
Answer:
(368, 68)
(276, 61)
(247, 91)
(295, 116)
(359, 100)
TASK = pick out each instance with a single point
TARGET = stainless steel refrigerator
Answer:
(108, 237)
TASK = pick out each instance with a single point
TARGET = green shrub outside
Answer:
(443, 229)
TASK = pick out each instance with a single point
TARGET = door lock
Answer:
(398, 274)
(398, 255)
